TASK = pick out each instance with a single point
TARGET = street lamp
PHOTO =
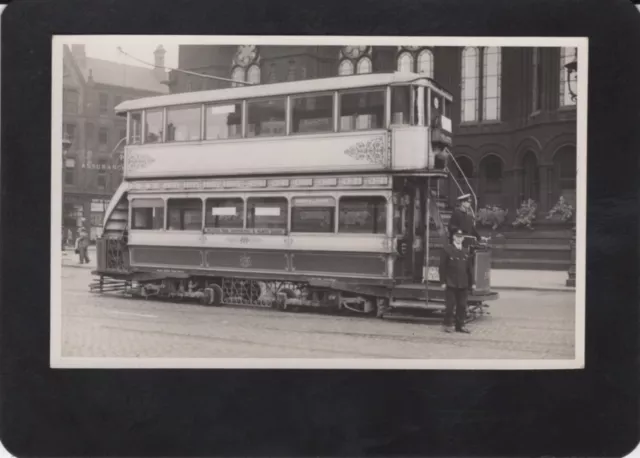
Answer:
(572, 82)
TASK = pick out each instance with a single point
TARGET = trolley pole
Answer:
(426, 241)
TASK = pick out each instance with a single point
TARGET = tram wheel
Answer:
(207, 297)
(217, 295)
(281, 301)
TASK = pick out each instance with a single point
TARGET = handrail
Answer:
(475, 198)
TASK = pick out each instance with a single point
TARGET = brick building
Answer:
(514, 120)
(92, 167)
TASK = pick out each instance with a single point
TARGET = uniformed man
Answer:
(456, 278)
(462, 219)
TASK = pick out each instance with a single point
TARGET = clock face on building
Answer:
(354, 52)
(246, 54)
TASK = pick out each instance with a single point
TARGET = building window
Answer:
(491, 82)
(102, 174)
(223, 121)
(153, 128)
(147, 214)
(365, 65)
(225, 213)
(104, 103)
(566, 55)
(311, 114)
(117, 101)
(253, 74)
(362, 110)
(69, 171)
(71, 101)
(135, 128)
(470, 84)
(185, 214)
(103, 136)
(267, 213)
(345, 68)
(266, 117)
(405, 62)
(363, 215)
(425, 63)
(90, 133)
(70, 131)
(465, 167)
(183, 123)
(313, 214)
(536, 93)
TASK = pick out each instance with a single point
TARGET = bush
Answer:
(561, 210)
(491, 216)
(526, 214)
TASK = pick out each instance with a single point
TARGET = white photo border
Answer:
(57, 361)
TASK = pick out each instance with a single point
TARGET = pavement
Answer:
(521, 326)
(501, 279)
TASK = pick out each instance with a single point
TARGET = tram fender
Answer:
(357, 288)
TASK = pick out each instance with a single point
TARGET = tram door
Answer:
(409, 229)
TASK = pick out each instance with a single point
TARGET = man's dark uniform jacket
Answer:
(455, 268)
(463, 221)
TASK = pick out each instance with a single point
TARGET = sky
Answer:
(142, 51)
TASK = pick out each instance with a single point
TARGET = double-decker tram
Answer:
(315, 193)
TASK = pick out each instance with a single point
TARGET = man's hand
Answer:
(444, 286)
(473, 287)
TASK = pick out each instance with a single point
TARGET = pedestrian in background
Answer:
(456, 277)
(82, 246)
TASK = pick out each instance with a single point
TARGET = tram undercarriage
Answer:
(327, 295)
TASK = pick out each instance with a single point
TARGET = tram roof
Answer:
(279, 89)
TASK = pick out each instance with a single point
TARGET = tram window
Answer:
(313, 214)
(362, 110)
(266, 118)
(312, 114)
(401, 105)
(267, 213)
(185, 215)
(183, 123)
(147, 214)
(223, 121)
(135, 128)
(225, 213)
(153, 127)
(363, 215)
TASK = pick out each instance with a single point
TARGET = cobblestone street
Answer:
(522, 325)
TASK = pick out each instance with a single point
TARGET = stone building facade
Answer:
(92, 166)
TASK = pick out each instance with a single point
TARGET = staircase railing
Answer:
(475, 197)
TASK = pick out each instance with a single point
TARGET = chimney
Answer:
(159, 70)
(78, 52)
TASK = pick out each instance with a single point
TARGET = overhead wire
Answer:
(179, 70)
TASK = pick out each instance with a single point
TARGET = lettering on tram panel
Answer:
(326, 182)
(375, 181)
(278, 183)
(303, 182)
(351, 181)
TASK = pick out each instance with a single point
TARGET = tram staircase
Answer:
(541, 250)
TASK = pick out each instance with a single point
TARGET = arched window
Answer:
(470, 84)
(253, 74)
(346, 68)
(425, 63)
(564, 162)
(405, 62)
(530, 177)
(491, 84)
(466, 167)
(491, 171)
(566, 55)
(364, 65)
(237, 75)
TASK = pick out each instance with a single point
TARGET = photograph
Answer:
(318, 202)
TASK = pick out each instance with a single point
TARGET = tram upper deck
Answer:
(359, 123)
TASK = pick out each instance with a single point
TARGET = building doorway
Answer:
(491, 177)
(565, 174)
(530, 178)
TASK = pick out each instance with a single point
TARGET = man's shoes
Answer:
(447, 329)
(463, 330)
